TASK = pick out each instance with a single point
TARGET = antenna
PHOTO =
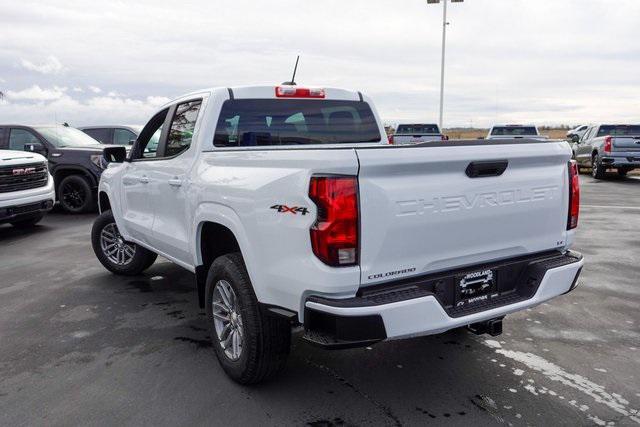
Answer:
(293, 78)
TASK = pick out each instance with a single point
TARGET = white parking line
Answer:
(610, 207)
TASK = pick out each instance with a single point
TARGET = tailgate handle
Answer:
(485, 168)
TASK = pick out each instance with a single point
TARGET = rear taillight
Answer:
(334, 235)
(390, 139)
(298, 92)
(608, 142)
(574, 195)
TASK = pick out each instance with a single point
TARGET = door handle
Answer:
(175, 182)
(143, 179)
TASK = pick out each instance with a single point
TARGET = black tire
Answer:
(141, 260)
(75, 194)
(28, 222)
(266, 339)
(622, 172)
(597, 169)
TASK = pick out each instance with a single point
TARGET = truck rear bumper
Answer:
(356, 322)
(624, 160)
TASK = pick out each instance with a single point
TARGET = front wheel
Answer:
(116, 254)
(75, 194)
(251, 346)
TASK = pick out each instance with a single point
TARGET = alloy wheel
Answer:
(114, 247)
(227, 320)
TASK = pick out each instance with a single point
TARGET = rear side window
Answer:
(514, 131)
(266, 122)
(2, 138)
(418, 129)
(19, 137)
(182, 126)
(619, 130)
(123, 136)
(103, 135)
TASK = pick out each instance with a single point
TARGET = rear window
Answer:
(514, 131)
(619, 130)
(264, 122)
(417, 129)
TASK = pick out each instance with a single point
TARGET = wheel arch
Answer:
(218, 231)
(62, 172)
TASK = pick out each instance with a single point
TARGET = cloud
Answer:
(36, 93)
(46, 105)
(95, 89)
(51, 65)
(2, 80)
(78, 89)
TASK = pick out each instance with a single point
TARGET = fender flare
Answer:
(227, 217)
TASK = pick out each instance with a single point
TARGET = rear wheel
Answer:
(116, 254)
(251, 347)
(75, 195)
(597, 169)
(28, 222)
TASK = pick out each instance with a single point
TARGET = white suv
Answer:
(26, 188)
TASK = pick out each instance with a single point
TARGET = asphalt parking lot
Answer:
(81, 346)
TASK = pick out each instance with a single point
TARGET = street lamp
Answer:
(444, 39)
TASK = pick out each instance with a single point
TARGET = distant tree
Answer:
(1, 95)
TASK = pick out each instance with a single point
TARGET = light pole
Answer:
(444, 40)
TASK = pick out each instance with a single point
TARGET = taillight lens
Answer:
(334, 235)
(574, 195)
(608, 142)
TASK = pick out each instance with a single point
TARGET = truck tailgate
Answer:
(626, 143)
(422, 213)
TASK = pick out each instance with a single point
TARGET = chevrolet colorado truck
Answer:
(291, 209)
(26, 188)
(605, 147)
(415, 134)
(515, 131)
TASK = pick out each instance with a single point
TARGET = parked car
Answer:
(291, 208)
(116, 135)
(75, 160)
(416, 133)
(575, 134)
(605, 147)
(515, 131)
(26, 188)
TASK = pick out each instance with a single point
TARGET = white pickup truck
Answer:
(26, 188)
(515, 131)
(291, 208)
(416, 133)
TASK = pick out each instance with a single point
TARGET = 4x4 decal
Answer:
(293, 209)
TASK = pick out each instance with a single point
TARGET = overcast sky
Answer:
(542, 61)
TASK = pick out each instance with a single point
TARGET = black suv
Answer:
(75, 160)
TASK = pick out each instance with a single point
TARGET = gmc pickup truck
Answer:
(605, 147)
(26, 188)
(515, 131)
(415, 134)
(291, 209)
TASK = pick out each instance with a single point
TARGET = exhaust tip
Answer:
(492, 327)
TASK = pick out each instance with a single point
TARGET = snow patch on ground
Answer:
(555, 373)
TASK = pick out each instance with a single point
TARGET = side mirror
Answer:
(117, 154)
(36, 147)
(132, 141)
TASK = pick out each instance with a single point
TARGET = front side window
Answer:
(18, 138)
(123, 136)
(182, 126)
(266, 122)
(147, 143)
